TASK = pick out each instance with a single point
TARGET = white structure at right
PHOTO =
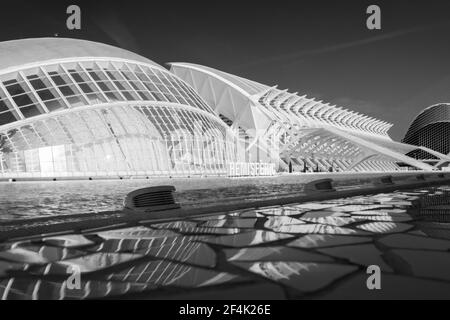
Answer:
(297, 131)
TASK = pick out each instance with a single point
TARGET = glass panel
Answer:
(22, 100)
(56, 104)
(37, 83)
(6, 117)
(46, 95)
(57, 79)
(67, 91)
(30, 111)
(3, 106)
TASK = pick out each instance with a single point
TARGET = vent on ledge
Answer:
(321, 185)
(151, 199)
(383, 180)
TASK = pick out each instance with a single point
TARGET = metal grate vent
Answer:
(152, 199)
(383, 180)
(421, 177)
(321, 185)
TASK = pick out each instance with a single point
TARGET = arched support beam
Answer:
(382, 150)
(360, 159)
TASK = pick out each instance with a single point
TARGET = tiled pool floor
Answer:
(309, 250)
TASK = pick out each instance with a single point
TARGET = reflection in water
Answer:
(27, 289)
(318, 241)
(316, 228)
(281, 270)
(321, 214)
(272, 254)
(385, 218)
(96, 261)
(352, 208)
(23, 256)
(281, 211)
(68, 241)
(248, 238)
(313, 206)
(188, 227)
(304, 249)
(41, 253)
(385, 227)
(164, 273)
(230, 223)
(303, 276)
(115, 266)
(276, 222)
(334, 221)
(154, 243)
(38, 199)
(7, 266)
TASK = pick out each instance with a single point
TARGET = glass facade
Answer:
(431, 129)
(107, 118)
(297, 132)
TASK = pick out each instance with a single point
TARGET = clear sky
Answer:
(319, 48)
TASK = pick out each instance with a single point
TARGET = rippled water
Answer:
(33, 199)
(36, 199)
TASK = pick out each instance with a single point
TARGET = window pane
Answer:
(53, 105)
(37, 84)
(15, 89)
(3, 106)
(6, 117)
(30, 111)
(45, 95)
(22, 100)
(67, 91)
(58, 80)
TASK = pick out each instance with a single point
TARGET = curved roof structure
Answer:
(248, 86)
(79, 73)
(22, 52)
(431, 129)
(288, 104)
(305, 128)
(79, 108)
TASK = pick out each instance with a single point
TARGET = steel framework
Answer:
(299, 130)
(72, 108)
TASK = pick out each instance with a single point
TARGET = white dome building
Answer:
(75, 108)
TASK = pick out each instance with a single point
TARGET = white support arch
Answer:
(308, 125)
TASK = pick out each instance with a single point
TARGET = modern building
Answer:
(431, 129)
(73, 108)
(296, 131)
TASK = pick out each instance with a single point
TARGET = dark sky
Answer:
(319, 48)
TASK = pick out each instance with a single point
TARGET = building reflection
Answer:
(112, 266)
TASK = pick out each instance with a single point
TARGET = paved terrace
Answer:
(309, 250)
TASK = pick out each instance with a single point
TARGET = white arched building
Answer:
(289, 128)
(73, 108)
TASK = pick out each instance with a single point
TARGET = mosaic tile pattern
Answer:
(310, 250)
